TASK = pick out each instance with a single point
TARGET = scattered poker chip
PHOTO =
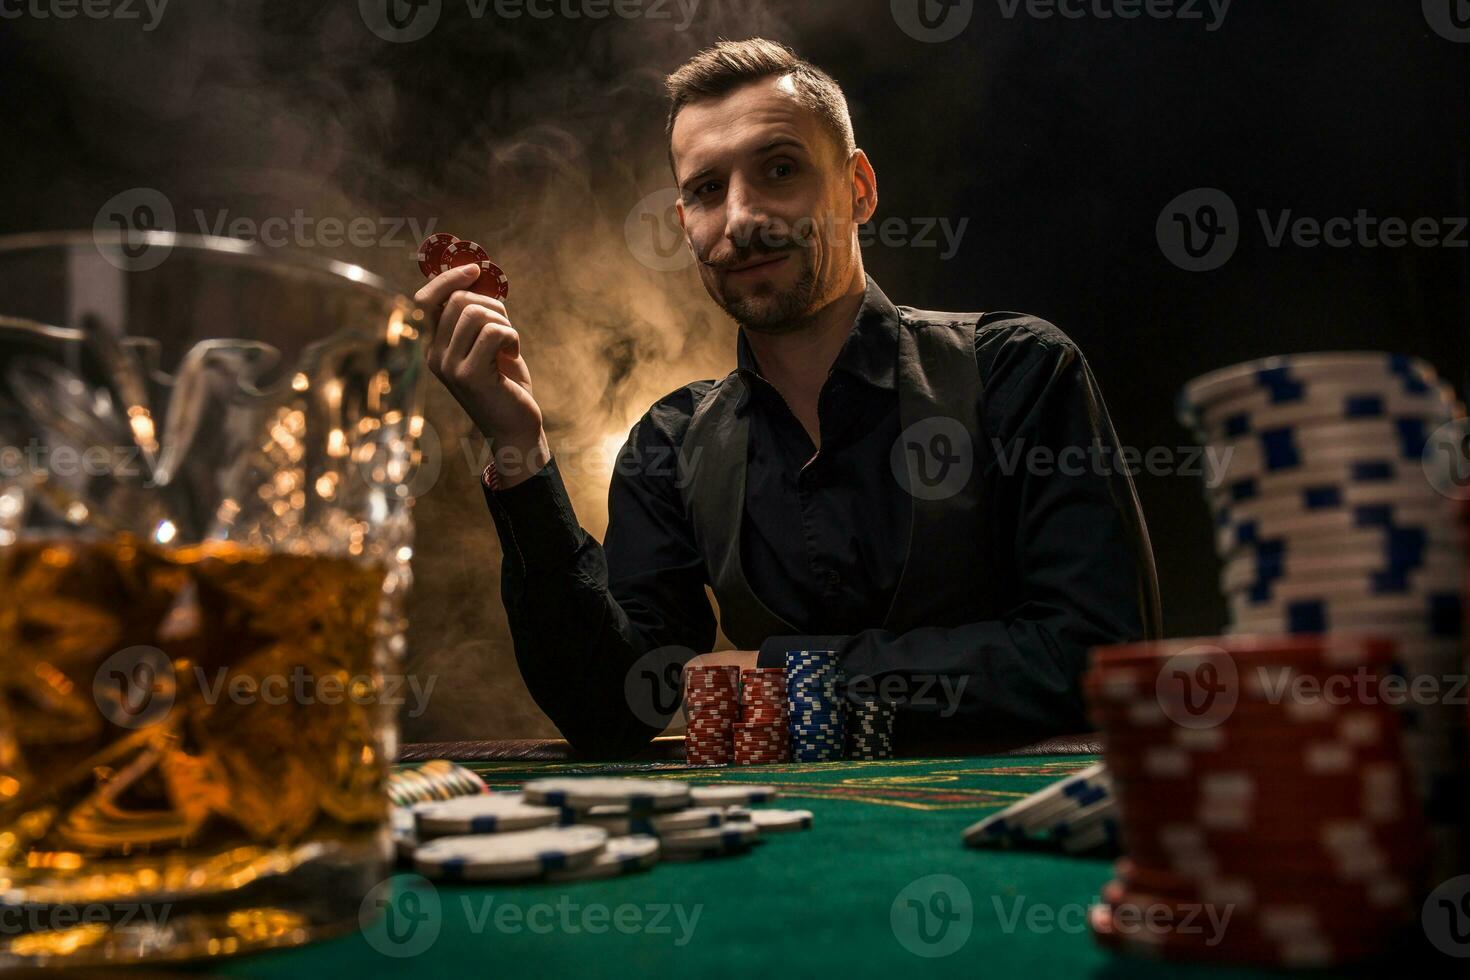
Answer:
(438, 779)
(431, 254)
(1088, 793)
(617, 820)
(637, 795)
(709, 841)
(777, 821)
(728, 795)
(488, 813)
(621, 856)
(498, 857)
(405, 834)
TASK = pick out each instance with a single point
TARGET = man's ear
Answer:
(864, 188)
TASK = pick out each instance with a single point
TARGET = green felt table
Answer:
(857, 894)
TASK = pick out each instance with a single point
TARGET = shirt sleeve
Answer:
(1069, 538)
(582, 614)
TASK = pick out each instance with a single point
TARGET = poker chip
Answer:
(431, 254)
(1306, 815)
(732, 795)
(1283, 377)
(1321, 401)
(777, 821)
(1060, 810)
(489, 813)
(708, 841)
(1405, 557)
(499, 857)
(814, 705)
(404, 833)
(492, 281)
(618, 820)
(635, 795)
(621, 856)
(438, 779)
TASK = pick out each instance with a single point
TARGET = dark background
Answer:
(1060, 141)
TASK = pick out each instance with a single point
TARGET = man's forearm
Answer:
(574, 643)
(977, 680)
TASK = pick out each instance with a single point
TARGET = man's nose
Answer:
(746, 215)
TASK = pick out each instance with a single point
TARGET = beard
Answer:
(776, 310)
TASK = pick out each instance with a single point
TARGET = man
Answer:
(859, 482)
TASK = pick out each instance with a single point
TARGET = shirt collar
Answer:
(870, 353)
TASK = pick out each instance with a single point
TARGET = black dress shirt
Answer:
(825, 540)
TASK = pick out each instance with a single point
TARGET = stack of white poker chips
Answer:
(1332, 518)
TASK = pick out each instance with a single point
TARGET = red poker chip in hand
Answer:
(431, 254)
(492, 282)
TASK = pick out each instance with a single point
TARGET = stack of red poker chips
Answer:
(763, 734)
(1297, 816)
(711, 708)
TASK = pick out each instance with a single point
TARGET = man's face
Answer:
(767, 201)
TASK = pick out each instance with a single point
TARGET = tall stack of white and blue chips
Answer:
(814, 698)
(1334, 516)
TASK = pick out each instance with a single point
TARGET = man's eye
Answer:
(781, 170)
(708, 187)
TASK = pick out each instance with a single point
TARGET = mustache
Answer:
(745, 257)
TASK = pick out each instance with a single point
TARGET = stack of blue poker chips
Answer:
(1338, 488)
(814, 699)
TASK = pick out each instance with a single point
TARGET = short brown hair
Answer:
(718, 71)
